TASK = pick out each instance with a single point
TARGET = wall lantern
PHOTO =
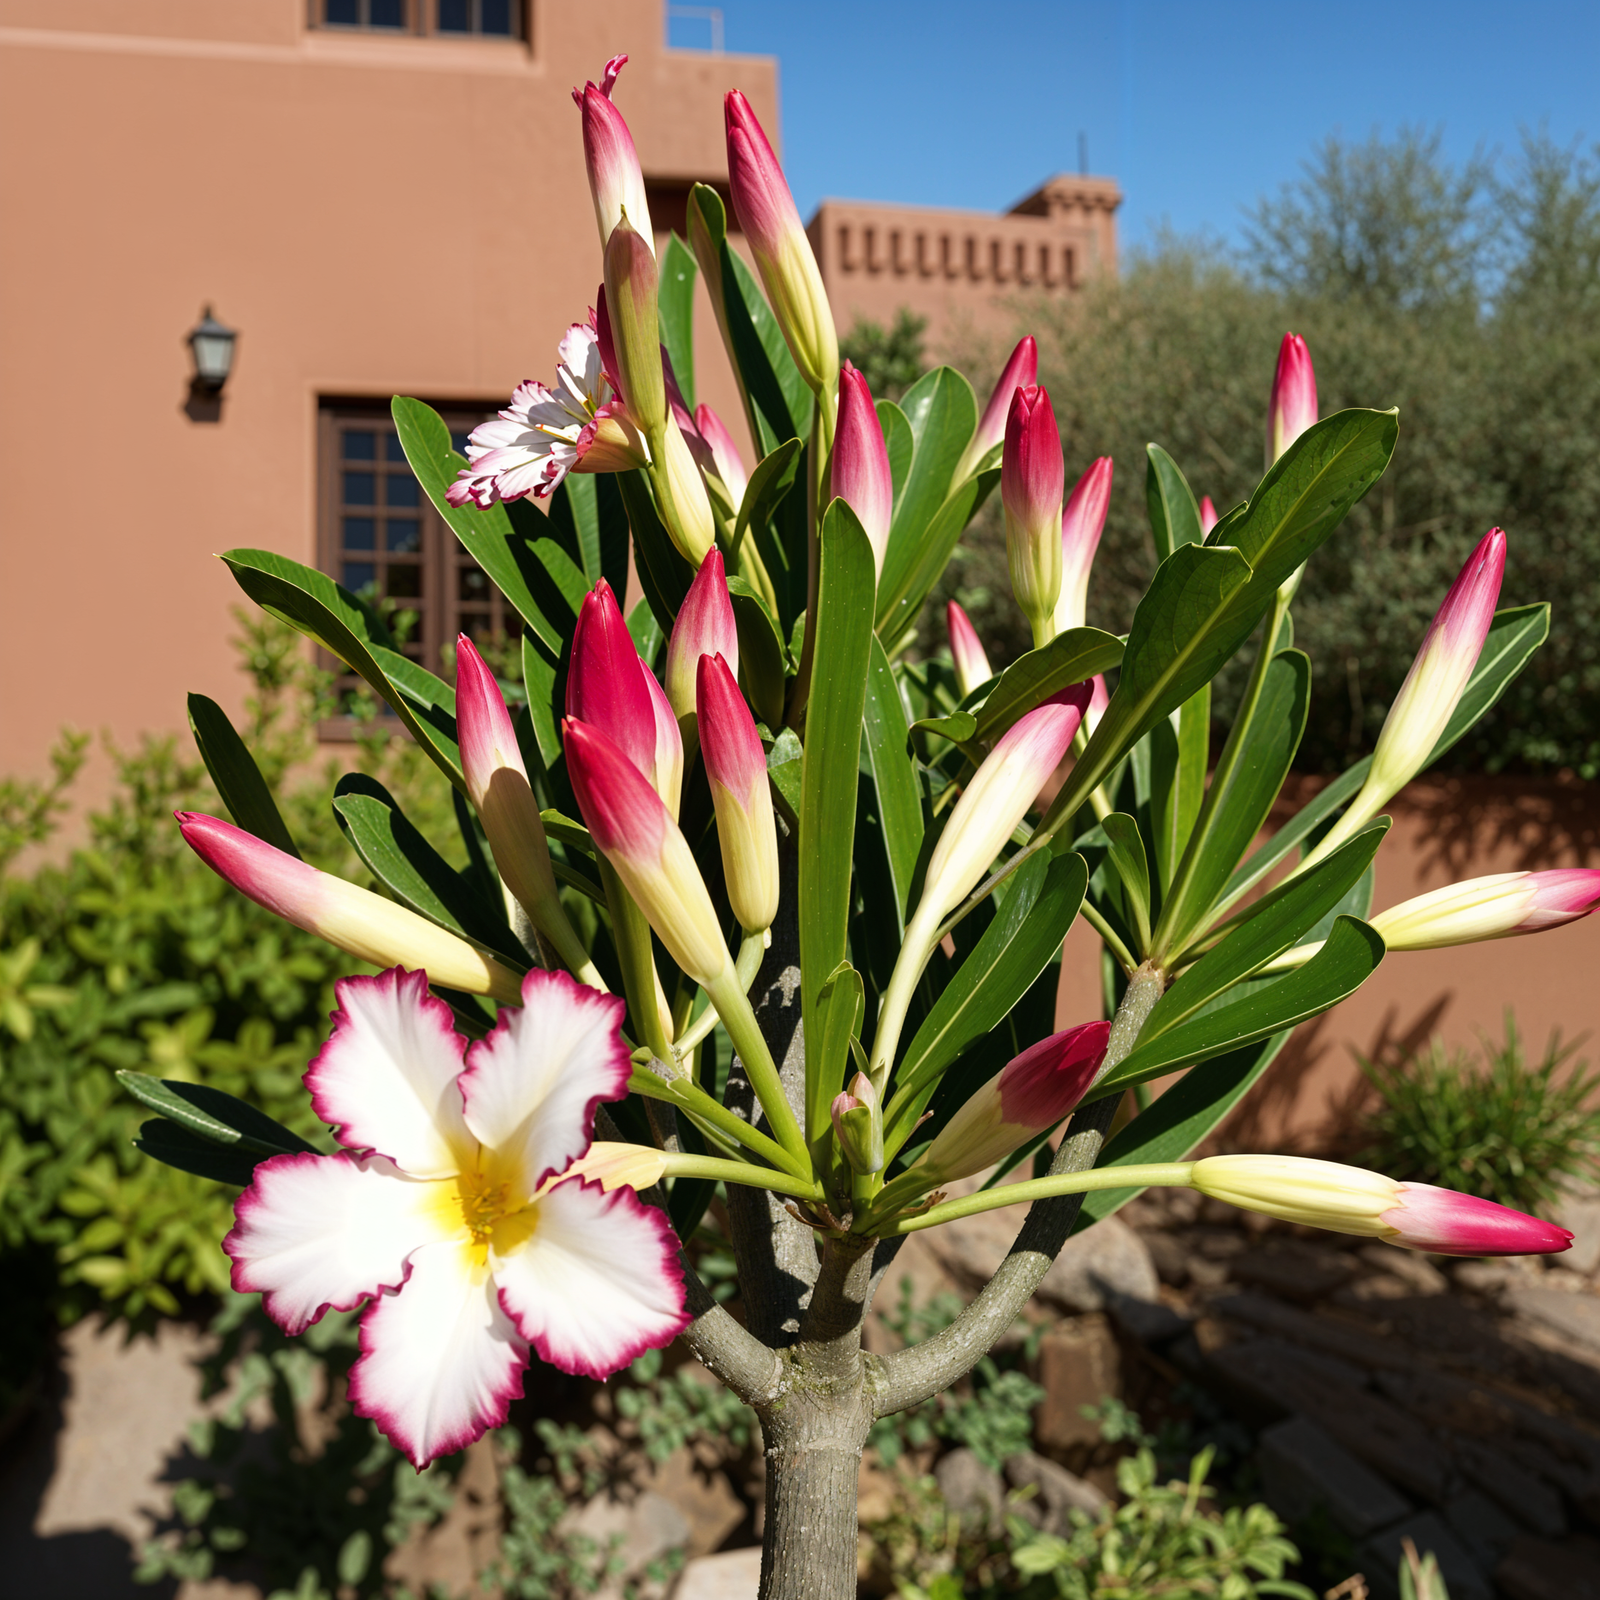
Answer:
(211, 344)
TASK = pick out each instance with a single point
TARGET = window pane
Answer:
(404, 582)
(344, 13)
(475, 624)
(391, 448)
(360, 489)
(401, 489)
(496, 16)
(472, 584)
(359, 447)
(358, 574)
(387, 13)
(455, 16)
(360, 534)
(402, 537)
(458, 442)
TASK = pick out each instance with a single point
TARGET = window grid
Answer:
(486, 19)
(382, 539)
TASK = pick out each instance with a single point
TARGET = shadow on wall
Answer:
(1522, 824)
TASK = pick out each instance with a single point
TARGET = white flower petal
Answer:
(318, 1233)
(440, 1361)
(596, 1282)
(531, 1087)
(387, 1078)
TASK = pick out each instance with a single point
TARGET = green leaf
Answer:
(1180, 747)
(237, 777)
(829, 765)
(399, 856)
(175, 1146)
(1275, 923)
(1514, 635)
(897, 440)
(777, 392)
(763, 661)
(769, 483)
(1071, 657)
(539, 673)
(904, 588)
(1295, 831)
(209, 1114)
(841, 1003)
(663, 574)
(1350, 956)
(1173, 1125)
(313, 603)
(1024, 936)
(1174, 513)
(784, 762)
(675, 297)
(589, 522)
(894, 776)
(1132, 869)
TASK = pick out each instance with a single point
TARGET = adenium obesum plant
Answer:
(758, 813)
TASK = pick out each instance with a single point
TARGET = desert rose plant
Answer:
(765, 808)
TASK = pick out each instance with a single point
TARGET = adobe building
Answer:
(965, 271)
(378, 197)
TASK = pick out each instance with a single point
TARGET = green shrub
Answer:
(1498, 1128)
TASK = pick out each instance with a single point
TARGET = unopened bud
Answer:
(858, 1125)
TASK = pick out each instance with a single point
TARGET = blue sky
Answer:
(1196, 109)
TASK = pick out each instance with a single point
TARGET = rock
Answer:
(1380, 1559)
(1578, 1210)
(1491, 1278)
(644, 1528)
(1108, 1256)
(1485, 1531)
(1151, 1322)
(728, 1575)
(1294, 1271)
(1576, 1316)
(1536, 1570)
(1059, 1492)
(970, 1489)
(1534, 1504)
(1170, 1258)
(1303, 1468)
(702, 1494)
(1079, 1365)
(1412, 1269)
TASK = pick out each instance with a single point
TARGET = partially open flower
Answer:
(615, 179)
(1417, 1216)
(704, 626)
(1083, 520)
(1208, 515)
(724, 453)
(445, 1213)
(966, 650)
(579, 426)
(1021, 371)
(1293, 407)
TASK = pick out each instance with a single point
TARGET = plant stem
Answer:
(745, 1172)
(1009, 1194)
(823, 421)
(740, 1021)
(709, 1114)
(637, 960)
(746, 966)
(1109, 934)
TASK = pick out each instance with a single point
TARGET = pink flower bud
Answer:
(858, 1125)
(1032, 1093)
(1417, 1216)
(724, 453)
(1021, 371)
(632, 829)
(615, 180)
(788, 269)
(1294, 396)
(704, 627)
(497, 785)
(736, 767)
(1083, 520)
(1208, 514)
(631, 287)
(355, 920)
(1032, 479)
(966, 650)
(997, 799)
(1495, 907)
(611, 689)
(1099, 700)
(861, 462)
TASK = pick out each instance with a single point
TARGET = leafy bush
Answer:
(1467, 301)
(891, 359)
(1500, 1128)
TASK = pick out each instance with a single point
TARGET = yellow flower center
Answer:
(489, 1210)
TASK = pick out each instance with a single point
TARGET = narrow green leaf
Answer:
(772, 479)
(841, 1003)
(1071, 657)
(1295, 831)
(763, 662)
(237, 777)
(1350, 956)
(1132, 870)
(784, 762)
(777, 391)
(675, 297)
(1275, 923)
(898, 442)
(1172, 1127)
(830, 761)
(175, 1146)
(902, 591)
(1174, 513)
(209, 1114)
(313, 603)
(646, 633)
(894, 776)
(539, 671)
(399, 856)
(1514, 635)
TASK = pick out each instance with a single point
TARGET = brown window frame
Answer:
(452, 594)
(422, 18)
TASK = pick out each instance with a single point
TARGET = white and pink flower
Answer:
(578, 426)
(447, 1213)
(1083, 520)
(967, 654)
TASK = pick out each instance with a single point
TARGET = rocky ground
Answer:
(1373, 1394)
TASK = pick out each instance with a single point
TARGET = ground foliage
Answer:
(1464, 295)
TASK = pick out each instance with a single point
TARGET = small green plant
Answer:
(673, 1409)
(1502, 1128)
(891, 359)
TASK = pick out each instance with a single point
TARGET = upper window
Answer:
(489, 19)
(381, 538)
